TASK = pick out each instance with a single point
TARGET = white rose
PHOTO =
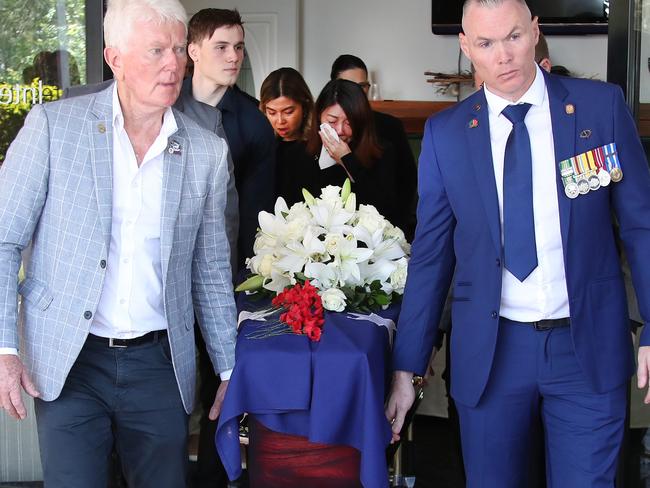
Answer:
(331, 196)
(296, 229)
(264, 241)
(398, 277)
(261, 264)
(333, 299)
(370, 219)
(299, 211)
(392, 232)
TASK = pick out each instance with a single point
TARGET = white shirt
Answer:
(131, 303)
(543, 294)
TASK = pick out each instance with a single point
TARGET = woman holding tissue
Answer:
(288, 104)
(343, 130)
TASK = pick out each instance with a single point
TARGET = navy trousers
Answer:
(535, 374)
(124, 397)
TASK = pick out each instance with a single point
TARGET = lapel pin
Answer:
(477, 107)
(569, 108)
(174, 147)
(585, 134)
(101, 128)
(473, 124)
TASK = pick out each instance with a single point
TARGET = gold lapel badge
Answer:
(569, 108)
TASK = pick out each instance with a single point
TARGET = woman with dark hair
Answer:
(372, 164)
(287, 103)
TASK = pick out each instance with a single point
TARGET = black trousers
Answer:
(125, 399)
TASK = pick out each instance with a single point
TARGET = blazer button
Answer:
(88, 315)
(498, 263)
(494, 314)
(102, 263)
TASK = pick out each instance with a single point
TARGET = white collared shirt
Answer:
(543, 294)
(131, 303)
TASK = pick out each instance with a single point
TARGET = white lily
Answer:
(278, 282)
(272, 227)
(348, 261)
(333, 218)
(381, 248)
(322, 276)
(379, 270)
(296, 254)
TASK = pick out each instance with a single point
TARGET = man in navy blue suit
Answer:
(517, 187)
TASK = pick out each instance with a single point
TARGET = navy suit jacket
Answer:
(252, 144)
(458, 234)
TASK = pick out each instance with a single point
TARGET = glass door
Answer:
(42, 51)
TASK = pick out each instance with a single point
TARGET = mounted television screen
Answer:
(555, 16)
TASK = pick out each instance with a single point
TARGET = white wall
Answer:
(394, 39)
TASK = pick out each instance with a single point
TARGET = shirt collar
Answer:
(534, 95)
(168, 127)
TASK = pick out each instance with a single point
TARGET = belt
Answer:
(542, 325)
(149, 338)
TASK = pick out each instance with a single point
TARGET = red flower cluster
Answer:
(304, 309)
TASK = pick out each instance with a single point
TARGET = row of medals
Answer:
(590, 181)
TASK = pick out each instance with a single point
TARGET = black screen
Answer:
(555, 16)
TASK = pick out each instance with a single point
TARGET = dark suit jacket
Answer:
(252, 145)
(458, 229)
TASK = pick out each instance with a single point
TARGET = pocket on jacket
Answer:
(36, 293)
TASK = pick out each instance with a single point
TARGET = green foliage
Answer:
(369, 299)
(12, 115)
(30, 27)
(37, 38)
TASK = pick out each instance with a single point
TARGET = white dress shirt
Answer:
(131, 303)
(543, 294)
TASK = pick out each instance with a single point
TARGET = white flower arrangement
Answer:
(354, 257)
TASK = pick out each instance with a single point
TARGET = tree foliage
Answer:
(36, 38)
(34, 26)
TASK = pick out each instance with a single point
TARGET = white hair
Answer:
(121, 15)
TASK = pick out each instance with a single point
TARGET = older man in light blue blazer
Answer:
(122, 199)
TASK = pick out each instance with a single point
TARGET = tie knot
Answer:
(516, 113)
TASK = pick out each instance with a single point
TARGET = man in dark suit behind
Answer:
(216, 47)
(517, 184)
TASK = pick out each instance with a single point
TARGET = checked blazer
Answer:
(56, 194)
